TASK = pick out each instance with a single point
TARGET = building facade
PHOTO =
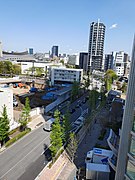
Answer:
(54, 51)
(126, 154)
(108, 61)
(65, 75)
(96, 46)
(6, 98)
(73, 59)
(120, 63)
(83, 57)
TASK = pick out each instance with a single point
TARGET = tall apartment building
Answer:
(120, 63)
(54, 51)
(96, 46)
(125, 169)
(83, 56)
(108, 61)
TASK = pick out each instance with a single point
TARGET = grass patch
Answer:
(20, 135)
(102, 135)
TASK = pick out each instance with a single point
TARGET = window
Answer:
(132, 148)
(131, 170)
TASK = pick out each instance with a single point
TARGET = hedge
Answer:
(21, 134)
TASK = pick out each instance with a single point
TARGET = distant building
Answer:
(120, 63)
(31, 51)
(54, 51)
(96, 46)
(73, 59)
(83, 57)
(108, 62)
(62, 75)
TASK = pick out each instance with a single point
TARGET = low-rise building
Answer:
(62, 75)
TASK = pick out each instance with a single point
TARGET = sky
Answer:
(40, 24)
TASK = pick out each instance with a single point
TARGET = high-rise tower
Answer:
(96, 46)
(126, 154)
(55, 51)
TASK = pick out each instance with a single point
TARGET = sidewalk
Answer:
(54, 172)
(36, 121)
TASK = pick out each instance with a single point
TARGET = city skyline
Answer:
(66, 24)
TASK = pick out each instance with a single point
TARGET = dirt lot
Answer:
(35, 98)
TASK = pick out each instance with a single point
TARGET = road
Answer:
(25, 159)
(17, 159)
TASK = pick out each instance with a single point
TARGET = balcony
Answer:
(113, 162)
(113, 141)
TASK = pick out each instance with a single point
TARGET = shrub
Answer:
(21, 134)
(13, 131)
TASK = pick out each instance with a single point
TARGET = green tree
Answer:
(56, 135)
(4, 125)
(93, 98)
(110, 76)
(72, 146)
(62, 61)
(75, 90)
(66, 127)
(39, 71)
(87, 82)
(16, 69)
(25, 116)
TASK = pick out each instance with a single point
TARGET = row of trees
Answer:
(37, 71)
(61, 136)
(6, 67)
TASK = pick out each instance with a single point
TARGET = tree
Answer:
(87, 82)
(4, 125)
(93, 98)
(39, 71)
(72, 146)
(66, 127)
(62, 61)
(56, 135)
(25, 117)
(75, 90)
(110, 76)
(16, 69)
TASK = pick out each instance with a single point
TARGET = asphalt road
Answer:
(25, 159)
(18, 158)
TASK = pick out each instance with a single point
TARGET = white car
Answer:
(79, 121)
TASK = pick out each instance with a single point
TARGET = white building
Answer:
(73, 59)
(6, 97)
(62, 74)
(25, 66)
(120, 63)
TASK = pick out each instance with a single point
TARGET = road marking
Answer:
(23, 158)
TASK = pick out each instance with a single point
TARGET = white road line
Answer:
(23, 158)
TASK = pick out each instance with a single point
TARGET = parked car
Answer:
(79, 121)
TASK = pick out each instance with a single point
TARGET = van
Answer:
(48, 124)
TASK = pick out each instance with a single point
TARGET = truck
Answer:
(48, 124)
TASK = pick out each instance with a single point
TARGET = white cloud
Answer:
(113, 26)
